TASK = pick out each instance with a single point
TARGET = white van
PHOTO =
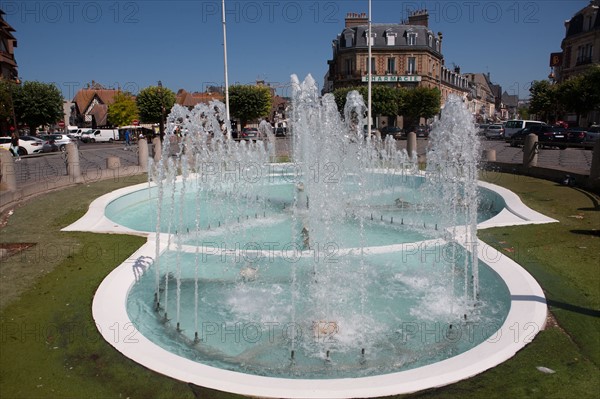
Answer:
(514, 125)
(99, 135)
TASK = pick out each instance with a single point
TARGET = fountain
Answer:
(345, 273)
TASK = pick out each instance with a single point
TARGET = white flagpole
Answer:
(226, 74)
(369, 73)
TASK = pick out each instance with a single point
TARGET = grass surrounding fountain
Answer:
(49, 346)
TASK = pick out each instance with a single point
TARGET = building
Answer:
(8, 68)
(482, 98)
(90, 106)
(510, 106)
(8, 63)
(580, 50)
(407, 54)
(190, 100)
(581, 45)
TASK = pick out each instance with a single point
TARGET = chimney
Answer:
(419, 17)
(354, 19)
(457, 69)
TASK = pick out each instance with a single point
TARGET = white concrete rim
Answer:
(525, 319)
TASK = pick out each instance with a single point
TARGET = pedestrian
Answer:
(14, 145)
(127, 140)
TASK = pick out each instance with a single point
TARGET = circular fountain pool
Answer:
(242, 296)
(344, 274)
(120, 302)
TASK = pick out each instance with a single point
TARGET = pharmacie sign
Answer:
(392, 78)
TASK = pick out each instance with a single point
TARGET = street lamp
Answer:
(162, 112)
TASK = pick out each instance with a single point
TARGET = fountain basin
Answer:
(524, 319)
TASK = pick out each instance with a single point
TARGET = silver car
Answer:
(494, 132)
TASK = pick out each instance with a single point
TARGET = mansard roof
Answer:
(381, 31)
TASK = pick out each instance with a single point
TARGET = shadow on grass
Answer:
(587, 232)
(591, 197)
(574, 308)
(557, 304)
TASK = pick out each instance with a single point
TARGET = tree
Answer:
(154, 103)
(581, 93)
(421, 102)
(7, 89)
(249, 102)
(37, 104)
(544, 101)
(123, 110)
(385, 101)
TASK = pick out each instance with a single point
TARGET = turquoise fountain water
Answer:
(345, 263)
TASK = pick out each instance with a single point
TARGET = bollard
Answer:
(73, 164)
(411, 144)
(143, 155)
(595, 168)
(113, 162)
(156, 144)
(8, 174)
(530, 150)
(489, 155)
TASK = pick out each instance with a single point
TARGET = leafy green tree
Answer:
(154, 102)
(385, 101)
(544, 101)
(523, 112)
(7, 89)
(249, 102)
(123, 110)
(421, 102)
(37, 104)
(581, 93)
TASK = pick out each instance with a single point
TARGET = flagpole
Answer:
(369, 75)
(227, 115)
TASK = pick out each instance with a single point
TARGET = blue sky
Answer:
(133, 44)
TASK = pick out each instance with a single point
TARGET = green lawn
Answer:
(49, 346)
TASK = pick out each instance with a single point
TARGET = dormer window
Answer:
(349, 39)
(373, 36)
(430, 41)
(411, 38)
(390, 37)
(437, 45)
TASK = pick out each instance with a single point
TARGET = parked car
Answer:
(576, 135)
(27, 144)
(30, 145)
(592, 134)
(5, 142)
(422, 131)
(374, 131)
(58, 140)
(393, 131)
(249, 133)
(48, 145)
(548, 136)
(514, 125)
(280, 131)
(482, 128)
(494, 132)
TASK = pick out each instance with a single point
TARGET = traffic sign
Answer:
(135, 122)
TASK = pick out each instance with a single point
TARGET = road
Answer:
(93, 158)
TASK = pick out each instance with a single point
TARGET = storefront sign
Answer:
(392, 78)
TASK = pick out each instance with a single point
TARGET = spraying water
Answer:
(290, 253)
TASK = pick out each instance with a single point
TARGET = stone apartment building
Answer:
(407, 54)
(8, 63)
(580, 50)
